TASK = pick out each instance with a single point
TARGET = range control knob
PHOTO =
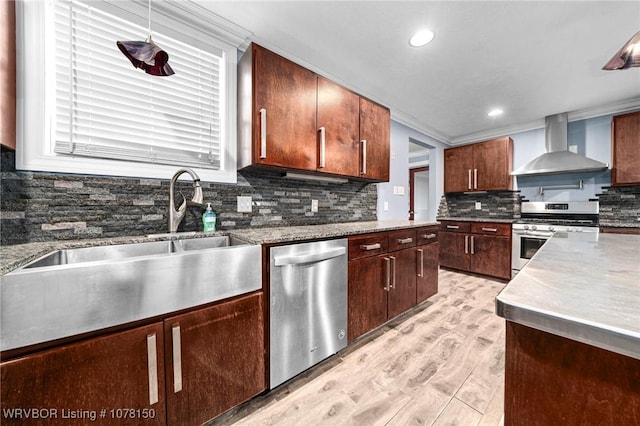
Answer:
(551, 228)
(534, 227)
(526, 227)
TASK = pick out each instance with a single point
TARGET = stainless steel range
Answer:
(540, 220)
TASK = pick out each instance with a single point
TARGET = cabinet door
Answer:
(367, 299)
(402, 294)
(375, 122)
(338, 121)
(215, 359)
(493, 161)
(285, 93)
(454, 250)
(427, 271)
(625, 137)
(113, 372)
(491, 256)
(458, 169)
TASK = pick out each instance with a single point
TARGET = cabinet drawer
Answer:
(489, 228)
(368, 245)
(426, 235)
(452, 226)
(399, 240)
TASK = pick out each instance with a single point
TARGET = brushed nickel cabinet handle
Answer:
(490, 229)
(473, 245)
(404, 240)
(421, 253)
(263, 133)
(387, 268)
(475, 178)
(152, 367)
(453, 227)
(469, 179)
(466, 244)
(429, 236)
(364, 156)
(367, 247)
(177, 358)
(322, 146)
(393, 264)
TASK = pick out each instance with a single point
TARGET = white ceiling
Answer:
(531, 59)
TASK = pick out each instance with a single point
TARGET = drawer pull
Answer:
(152, 366)
(453, 227)
(177, 359)
(490, 229)
(429, 236)
(404, 240)
(367, 247)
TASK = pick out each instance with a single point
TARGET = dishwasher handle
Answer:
(309, 257)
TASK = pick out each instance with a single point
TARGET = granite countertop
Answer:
(477, 219)
(585, 287)
(15, 256)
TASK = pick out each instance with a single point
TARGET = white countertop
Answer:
(584, 287)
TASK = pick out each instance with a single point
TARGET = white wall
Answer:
(399, 174)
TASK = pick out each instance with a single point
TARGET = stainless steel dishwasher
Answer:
(308, 286)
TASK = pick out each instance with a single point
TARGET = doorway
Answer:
(418, 180)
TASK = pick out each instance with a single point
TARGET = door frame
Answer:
(412, 173)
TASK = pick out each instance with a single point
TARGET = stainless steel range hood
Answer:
(558, 159)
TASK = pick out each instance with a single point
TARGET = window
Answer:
(102, 116)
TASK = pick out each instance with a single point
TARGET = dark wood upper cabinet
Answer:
(338, 129)
(625, 149)
(483, 166)
(8, 74)
(375, 136)
(290, 118)
(277, 111)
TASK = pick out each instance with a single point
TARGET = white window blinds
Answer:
(105, 108)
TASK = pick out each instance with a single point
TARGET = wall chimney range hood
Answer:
(558, 159)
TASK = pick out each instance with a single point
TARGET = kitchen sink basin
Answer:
(126, 251)
(74, 291)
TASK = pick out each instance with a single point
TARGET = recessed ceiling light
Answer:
(421, 38)
(495, 112)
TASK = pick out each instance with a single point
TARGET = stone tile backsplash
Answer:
(494, 204)
(620, 206)
(50, 206)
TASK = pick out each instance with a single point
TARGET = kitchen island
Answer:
(573, 333)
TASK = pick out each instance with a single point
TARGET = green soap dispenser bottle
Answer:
(209, 220)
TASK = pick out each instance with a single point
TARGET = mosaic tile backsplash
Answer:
(49, 206)
(494, 205)
(620, 206)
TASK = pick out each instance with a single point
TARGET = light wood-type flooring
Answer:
(442, 363)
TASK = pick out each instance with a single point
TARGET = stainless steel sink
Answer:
(127, 251)
(74, 291)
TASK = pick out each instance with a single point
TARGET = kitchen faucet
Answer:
(176, 216)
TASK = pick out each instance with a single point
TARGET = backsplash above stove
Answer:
(620, 206)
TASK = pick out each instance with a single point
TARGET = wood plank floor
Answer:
(440, 364)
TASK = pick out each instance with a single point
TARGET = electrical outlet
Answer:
(244, 204)
(385, 206)
(401, 190)
(478, 205)
(314, 206)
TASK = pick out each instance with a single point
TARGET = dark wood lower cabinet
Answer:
(215, 359)
(367, 307)
(427, 264)
(402, 291)
(551, 380)
(113, 379)
(479, 247)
